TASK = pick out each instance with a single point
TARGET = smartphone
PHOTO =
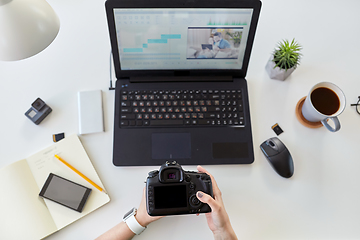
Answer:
(65, 192)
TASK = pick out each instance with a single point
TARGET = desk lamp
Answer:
(26, 28)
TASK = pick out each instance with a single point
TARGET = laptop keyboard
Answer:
(183, 108)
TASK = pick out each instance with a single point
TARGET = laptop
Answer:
(175, 101)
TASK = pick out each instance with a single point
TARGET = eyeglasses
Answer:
(357, 105)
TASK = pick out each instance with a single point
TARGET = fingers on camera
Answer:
(205, 198)
(217, 191)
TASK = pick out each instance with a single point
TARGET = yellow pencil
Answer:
(81, 175)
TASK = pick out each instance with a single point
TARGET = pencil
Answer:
(81, 175)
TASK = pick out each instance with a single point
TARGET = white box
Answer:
(91, 119)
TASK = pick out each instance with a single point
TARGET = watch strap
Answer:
(134, 225)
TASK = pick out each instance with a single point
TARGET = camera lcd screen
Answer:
(170, 196)
(65, 192)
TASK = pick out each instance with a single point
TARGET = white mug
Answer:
(324, 102)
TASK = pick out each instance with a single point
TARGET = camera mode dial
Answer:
(173, 163)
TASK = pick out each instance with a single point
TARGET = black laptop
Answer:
(175, 100)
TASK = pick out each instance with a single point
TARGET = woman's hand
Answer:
(218, 220)
(142, 216)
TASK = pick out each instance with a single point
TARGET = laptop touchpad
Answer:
(171, 145)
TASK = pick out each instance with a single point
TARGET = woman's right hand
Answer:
(218, 220)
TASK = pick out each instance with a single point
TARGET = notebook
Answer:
(175, 100)
(25, 215)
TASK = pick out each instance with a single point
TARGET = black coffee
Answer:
(325, 100)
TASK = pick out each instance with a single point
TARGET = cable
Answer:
(111, 84)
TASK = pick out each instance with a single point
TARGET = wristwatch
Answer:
(133, 224)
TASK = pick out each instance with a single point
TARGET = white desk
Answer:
(321, 200)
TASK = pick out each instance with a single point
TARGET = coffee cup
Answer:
(324, 102)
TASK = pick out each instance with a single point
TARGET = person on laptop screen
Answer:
(218, 220)
(206, 51)
(220, 43)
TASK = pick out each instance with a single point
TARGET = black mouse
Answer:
(279, 156)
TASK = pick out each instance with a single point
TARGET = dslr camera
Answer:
(38, 111)
(172, 191)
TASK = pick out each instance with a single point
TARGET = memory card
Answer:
(277, 129)
(58, 137)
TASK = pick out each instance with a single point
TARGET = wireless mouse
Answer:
(278, 156)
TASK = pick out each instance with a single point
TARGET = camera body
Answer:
(38, 111)
(172, 191)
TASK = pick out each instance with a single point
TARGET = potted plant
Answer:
(284, 59)
(236, 37)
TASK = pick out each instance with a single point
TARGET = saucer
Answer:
(302, 119)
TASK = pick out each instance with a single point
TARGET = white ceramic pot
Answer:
(277, 73)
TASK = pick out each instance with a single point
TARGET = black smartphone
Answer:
(65, 192)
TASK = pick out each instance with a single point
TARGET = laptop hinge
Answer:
(183, 79)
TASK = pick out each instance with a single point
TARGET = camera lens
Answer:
(38, 104)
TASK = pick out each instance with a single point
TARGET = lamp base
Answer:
(302, 119)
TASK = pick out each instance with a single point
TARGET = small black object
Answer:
(278, 156)
(172, 191)
(58, 137)
(277, 129)
(38, 111)
(65, 192)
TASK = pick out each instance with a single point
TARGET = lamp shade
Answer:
(26, 28)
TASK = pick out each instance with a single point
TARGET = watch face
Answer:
(129, 213)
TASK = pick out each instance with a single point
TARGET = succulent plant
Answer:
(287, 55)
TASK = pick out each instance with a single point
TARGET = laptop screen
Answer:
(182, 38)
